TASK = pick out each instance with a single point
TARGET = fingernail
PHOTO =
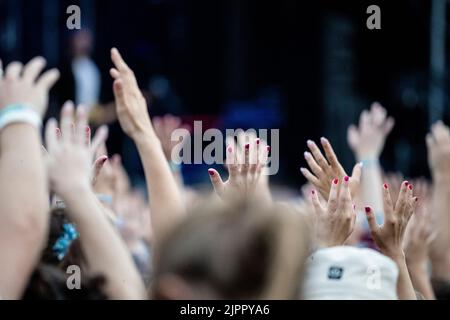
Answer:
(104, 159)
(307, 154)
(257, 141)
(323, 140)
(346, 178)
(335, 181)
(247, 146)
(385, 186)
(367, 209)
(309, 142)
(268, 148)
(410, 187)
(230, 149)
(406, 183)
(88, 129)
(417, 199)
(302, 169)
(313, 192)
(354, 206)
(211, 172)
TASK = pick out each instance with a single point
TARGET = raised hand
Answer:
(70, 156)
(389, 236)
(245, 166)
(438, 144)
(326, 169)
(367, 140)
(335, 221)
(131, 105)
(26, 85)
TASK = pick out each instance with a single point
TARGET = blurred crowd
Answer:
(72, 226)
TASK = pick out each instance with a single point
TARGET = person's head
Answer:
(81, 43)
(73, 255)
(50, 283)
(232, 251)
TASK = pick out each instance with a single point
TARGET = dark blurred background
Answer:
(306, 67)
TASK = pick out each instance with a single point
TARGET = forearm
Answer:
(405, 289)
(24, 209)
(440, 247)
(105, 251)
(166, 204)
(371, 183)
(421, 280)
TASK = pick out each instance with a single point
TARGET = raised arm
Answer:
(367, 142)
(390, 235)
(166, 203)
(70, 172)
(438, 144)
(24, 209)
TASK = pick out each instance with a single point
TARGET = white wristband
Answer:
(19, 113)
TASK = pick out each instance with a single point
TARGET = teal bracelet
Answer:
(16, 107)
(369, 161)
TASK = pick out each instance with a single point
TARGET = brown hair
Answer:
(241, 250)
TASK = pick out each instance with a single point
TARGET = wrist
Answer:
(397, 255)
(74, 191)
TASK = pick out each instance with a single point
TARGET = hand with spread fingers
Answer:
(245, 166)
(326, 169)
(334, 221)
(390, 235)
(26, 85)
(367, 140)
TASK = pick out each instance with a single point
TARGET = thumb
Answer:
(373, 226)
(98, 165)
(356, 172)
(216, 181)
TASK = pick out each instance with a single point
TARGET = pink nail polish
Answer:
(336, 181)
(346, 178)
(417, 199)
(230, 149)
(354, 206)
(211, 172)
(410, 186)
(406, 183)
(247, 146)
(385, 186)
(367, 209)
(88, 129)
(257, 141)
(313, 192)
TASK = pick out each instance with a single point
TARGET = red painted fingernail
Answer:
(104, 160)
(247, 146)
(211, 172)
(268, 148)
(230, 149)
(367, 209)
(354, 206)
(88, 129)
(346, 178)
(335, 181)
(406, 183)
(417, 199)
(385, 186)
(257, 141)
(410, 187)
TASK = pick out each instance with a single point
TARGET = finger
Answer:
(66, 121)
(87, 136)
(387, 202)
(118, 61)
(378, 114)
(356, 173)
(100, 136)
(333, 197)
(58, 134)
(118, 90)
(329, 152)
(310, 177)
(253, 157)
(430, 141)
(364, 120)
(316, 202)
(33, 68)
(48, 79)
(51, 140)
(216, 181)
(373, 226)
(115, 74)
(231, 161)
(13, 70)
(320, 159)
(315, 168)
(98, 165)
(402, 197)
(81, 117)
(387, 128)
(246, 166)
(344, 195)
